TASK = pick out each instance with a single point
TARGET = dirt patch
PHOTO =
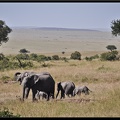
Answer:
(77, 100)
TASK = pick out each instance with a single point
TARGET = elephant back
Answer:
(68, 87)
(45, 83)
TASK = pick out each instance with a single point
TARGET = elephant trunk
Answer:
(73, 93)
(23, 96)
(26, 91)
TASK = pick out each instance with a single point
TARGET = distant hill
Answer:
(54, 29)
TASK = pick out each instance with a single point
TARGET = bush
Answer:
(23, 56)
(88, 58)
(33, 56)
(55, 57)
(92, 57)
(7, 114)
(110, 56)
(42, 58)
(76, 55)
(64, 58)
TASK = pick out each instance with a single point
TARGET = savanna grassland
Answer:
(101, 77)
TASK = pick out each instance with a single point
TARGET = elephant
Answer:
(81, 89)
(18, 76)
(42, 94)
(40, 82)
(66, 88)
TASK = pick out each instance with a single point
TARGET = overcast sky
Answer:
(64, 15)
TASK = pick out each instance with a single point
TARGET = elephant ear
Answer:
(21, 76)
(16, 75)
(34, 78)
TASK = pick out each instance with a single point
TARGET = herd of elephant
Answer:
(43, 85)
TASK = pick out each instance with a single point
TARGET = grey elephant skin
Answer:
(40, 82)
(41, 94)
(66, 88)
(18, 76)
(81, 89)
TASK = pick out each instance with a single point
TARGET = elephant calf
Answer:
(66, 88)
(42, 94)
(81, 89)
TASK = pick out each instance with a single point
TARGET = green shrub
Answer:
(76, 55)
(33, 56)
(64, 58)
(7, 114)
(42, 58)
(55, 57)
(110, 56)
(23, 56)
(88, 58)
(92, 57)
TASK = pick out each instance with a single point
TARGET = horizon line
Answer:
(106, 29)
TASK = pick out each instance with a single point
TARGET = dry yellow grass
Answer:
(102, 78)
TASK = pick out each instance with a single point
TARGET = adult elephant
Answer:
(65, 87)
(18, 76)
(42, 82)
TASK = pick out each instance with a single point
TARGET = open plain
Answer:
(55, 40)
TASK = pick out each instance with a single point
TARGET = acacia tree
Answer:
(111, 47)
(115, 27)
(4, 31)
(24, 51)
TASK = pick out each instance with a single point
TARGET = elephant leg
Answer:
(57, 94)
(33, 95)
(48, 96)
(62, 95)
(68, 95)
(27, 90)
(39, 97)
(23, 95)
(42, 97)
(86, 93)
(52, 95)
(79, 93)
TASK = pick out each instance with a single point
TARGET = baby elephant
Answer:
(81, 89)
(42, 94)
